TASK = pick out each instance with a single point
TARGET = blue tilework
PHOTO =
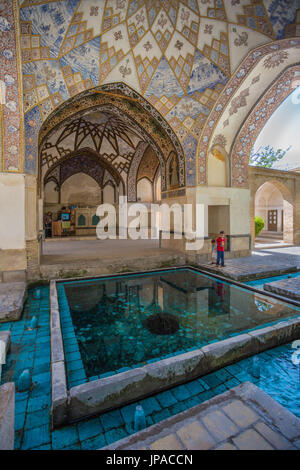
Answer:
(272, 370)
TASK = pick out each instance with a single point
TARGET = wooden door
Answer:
(272, 221)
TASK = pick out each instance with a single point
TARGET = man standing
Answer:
(220, 249)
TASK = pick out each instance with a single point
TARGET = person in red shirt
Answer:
(220, 249)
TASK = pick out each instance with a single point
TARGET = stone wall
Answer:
(33, 259)
(288, 183)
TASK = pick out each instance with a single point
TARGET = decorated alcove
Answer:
(107, 135)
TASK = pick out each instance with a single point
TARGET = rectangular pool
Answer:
(129, 321)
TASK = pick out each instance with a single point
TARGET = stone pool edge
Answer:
(59, 392)
(91, 398)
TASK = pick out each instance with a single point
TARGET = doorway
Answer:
(272, 220)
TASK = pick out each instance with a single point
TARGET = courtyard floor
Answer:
(262, 263)
(60, 251)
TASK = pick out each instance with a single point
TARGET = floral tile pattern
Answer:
(167, 51)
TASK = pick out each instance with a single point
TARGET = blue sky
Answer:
(283, 130)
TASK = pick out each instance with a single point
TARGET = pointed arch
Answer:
(247, 87)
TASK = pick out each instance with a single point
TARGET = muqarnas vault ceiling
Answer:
(178, 54)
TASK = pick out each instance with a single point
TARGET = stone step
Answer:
(243, 418)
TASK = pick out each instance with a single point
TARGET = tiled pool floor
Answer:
(273, 371)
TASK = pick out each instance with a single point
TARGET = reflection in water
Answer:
(162, 324)
(130, 320)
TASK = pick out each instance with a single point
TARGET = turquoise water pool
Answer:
(112, 324)
(272, 370)
(259, 283)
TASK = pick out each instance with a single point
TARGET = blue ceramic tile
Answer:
(37, 418)
(128, 412)
(161, 415)
(166, 399)
(181, 392)
(19, 420)
(194, 387)
(94, 443)
(36, 437)
(88, 429)
(150, 405)
(115, 435)
(64, 437)
(112, 419)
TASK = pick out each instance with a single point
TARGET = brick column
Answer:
(31, 226)
(288, 221)
(33, 259)
(252, 187)
(297, 212)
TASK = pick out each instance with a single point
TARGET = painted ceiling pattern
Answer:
(80, 164)
(118, 100)
(178, 54)
(104, 132)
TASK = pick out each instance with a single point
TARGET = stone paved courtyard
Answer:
(263, 263)
(244, 418)
(286, 287)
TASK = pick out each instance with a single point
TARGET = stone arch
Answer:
(286, 186)
(247, 87)
(172, 172)
(82, 152)
(133, 171)
(120, 97)
(255, 121)
(157, 185)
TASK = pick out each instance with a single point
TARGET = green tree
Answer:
(267, 156)
(259, 225)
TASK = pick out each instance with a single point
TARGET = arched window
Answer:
(81, 221)
(95, 219)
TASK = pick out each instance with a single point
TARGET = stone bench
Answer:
(7, 416)
(5, 336)
(12, 298)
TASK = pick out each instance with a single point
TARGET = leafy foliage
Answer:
(259, 225)
(267, 156)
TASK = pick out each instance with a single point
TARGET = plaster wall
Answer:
(12, 211)
(80, 189)
(12, 223)
(238, 201)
